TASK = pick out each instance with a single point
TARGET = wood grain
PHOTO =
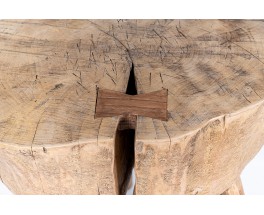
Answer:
(235, 189)
(50, 142)
(111, 103)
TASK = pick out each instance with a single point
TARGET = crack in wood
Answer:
(125, 142)
(129, 106)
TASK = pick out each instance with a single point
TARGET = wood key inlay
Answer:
(112, 103)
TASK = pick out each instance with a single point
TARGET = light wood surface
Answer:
(50, 70)
(235, 189)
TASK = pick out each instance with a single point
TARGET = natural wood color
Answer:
(235, 189)
(50, 70)
(111, 103)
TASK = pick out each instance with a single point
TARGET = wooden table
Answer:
(83, 102)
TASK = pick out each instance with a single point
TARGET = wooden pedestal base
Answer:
(235, 189)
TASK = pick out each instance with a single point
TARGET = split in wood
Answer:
(124, 154)
(111, 103)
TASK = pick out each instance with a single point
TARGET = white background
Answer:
(253, 175)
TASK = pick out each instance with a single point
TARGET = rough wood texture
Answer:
(235, 189)
(50, 142)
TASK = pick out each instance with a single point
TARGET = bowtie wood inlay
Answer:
(111, 103)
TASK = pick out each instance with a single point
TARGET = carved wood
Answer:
(50, 71)
(235, 189)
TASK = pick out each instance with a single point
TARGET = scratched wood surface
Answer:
(51, 143)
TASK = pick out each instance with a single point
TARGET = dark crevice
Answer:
(131, 85)
(125, 143)
(124, 157)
